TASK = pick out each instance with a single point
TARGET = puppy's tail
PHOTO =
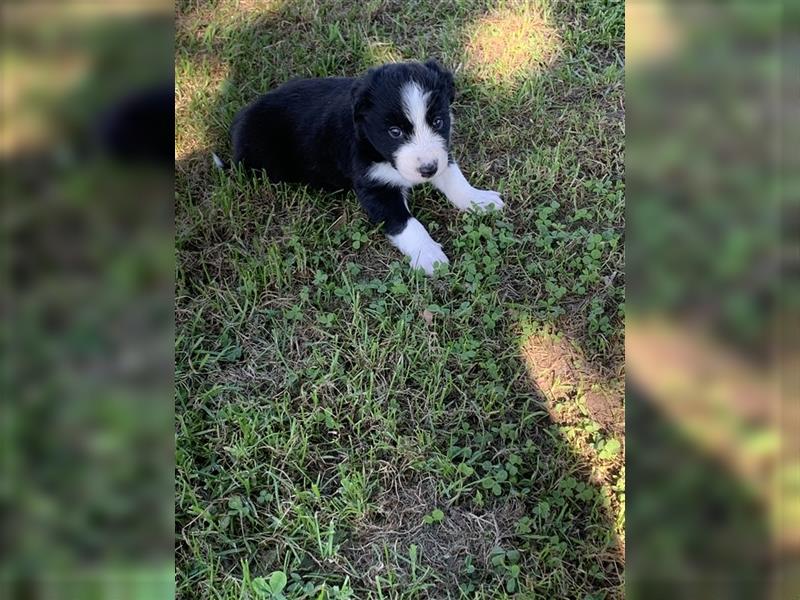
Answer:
(219, 163)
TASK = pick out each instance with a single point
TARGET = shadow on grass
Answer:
(497, 468)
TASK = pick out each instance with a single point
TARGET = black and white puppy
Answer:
(378, 134)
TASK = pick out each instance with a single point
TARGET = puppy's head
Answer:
(403, 110)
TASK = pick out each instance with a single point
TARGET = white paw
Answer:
(427, 256)
(415, 242)
(483, 199)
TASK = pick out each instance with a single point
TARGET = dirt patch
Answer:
(562, 374)
(442, 547)
(554, 365)
(606, 409)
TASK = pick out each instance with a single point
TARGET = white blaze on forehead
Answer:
(415, 104)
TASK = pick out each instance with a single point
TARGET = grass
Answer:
(347, 428)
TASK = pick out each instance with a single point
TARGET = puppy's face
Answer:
(404, 112)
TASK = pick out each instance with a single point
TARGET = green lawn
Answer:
(358, 428)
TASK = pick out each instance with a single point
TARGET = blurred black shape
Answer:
(139, 128)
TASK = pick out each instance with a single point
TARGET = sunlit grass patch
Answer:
(587, 405)
(651, 34)
(380, 52)
(29, 96)
(257, 6)
(509, 44)
(197, 81)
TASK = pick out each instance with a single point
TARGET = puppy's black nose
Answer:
(428, 169)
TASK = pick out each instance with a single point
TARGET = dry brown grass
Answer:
(398, 523)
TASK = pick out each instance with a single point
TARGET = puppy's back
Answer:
(292, 131)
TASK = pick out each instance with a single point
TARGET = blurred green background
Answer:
(88, 456)
(712, 416)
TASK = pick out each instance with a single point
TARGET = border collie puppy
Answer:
(378, 134)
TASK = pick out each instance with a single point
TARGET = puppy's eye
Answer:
(438, 122)
(395, 132)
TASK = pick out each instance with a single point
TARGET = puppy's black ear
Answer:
(359, 96)
(445, 77)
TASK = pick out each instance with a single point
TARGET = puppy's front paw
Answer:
(415, 243)
(483, 199)
(428, 256)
